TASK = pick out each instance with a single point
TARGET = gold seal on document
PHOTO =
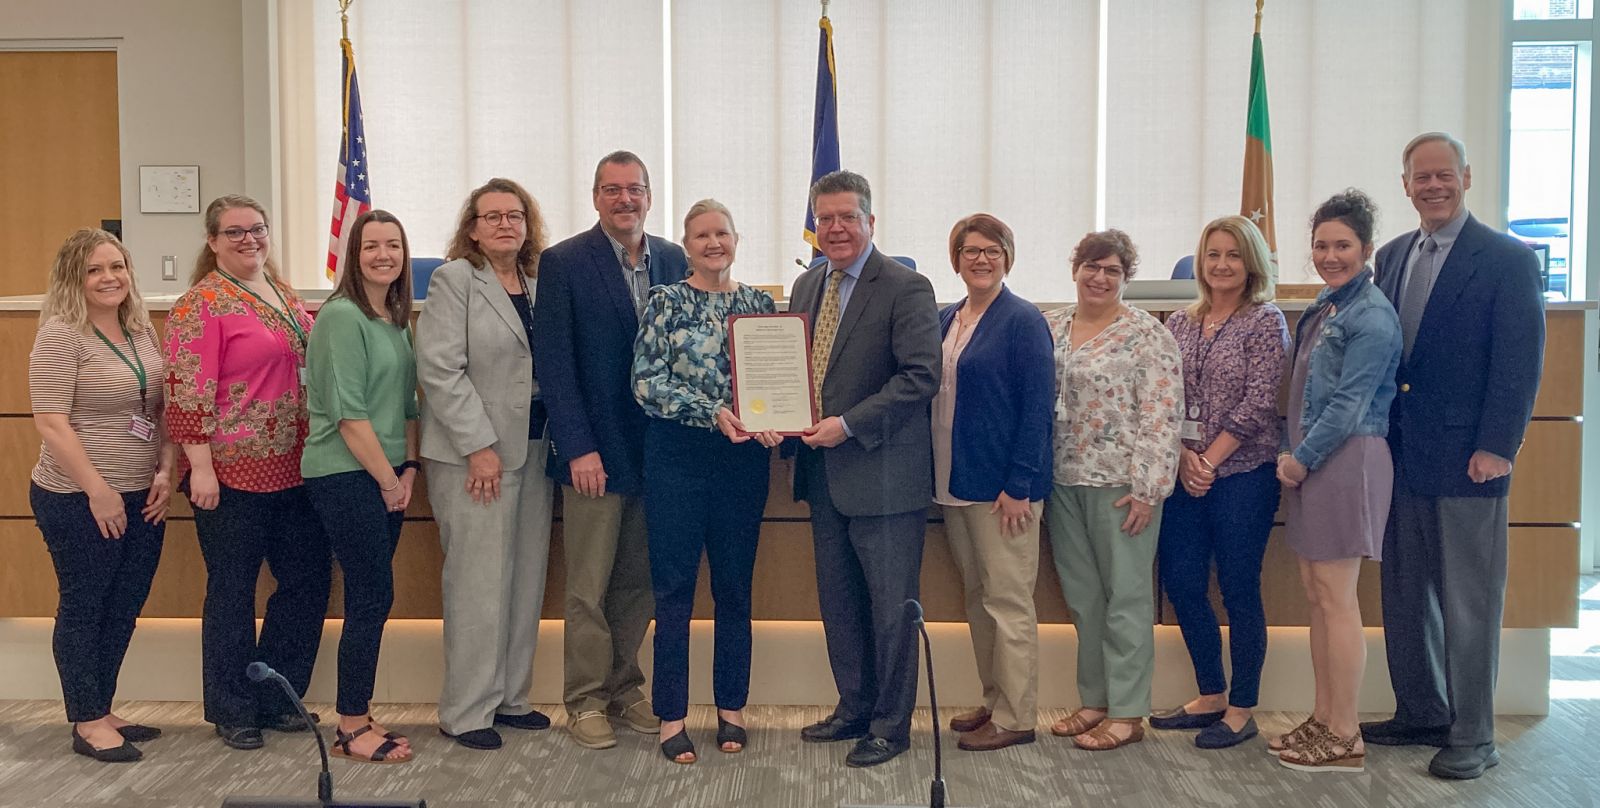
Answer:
(758, 405)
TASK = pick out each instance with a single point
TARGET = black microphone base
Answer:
(292, 802)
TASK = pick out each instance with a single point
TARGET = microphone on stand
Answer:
(261, 672)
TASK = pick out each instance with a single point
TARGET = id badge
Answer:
(303, 376)
(1192, 430)
(142, 428)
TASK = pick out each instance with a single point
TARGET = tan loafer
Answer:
(591, 730)
(992, 736)
(640, 716)
(970, 720)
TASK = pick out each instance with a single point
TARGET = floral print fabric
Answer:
(680, 357)
(233, 381)
(1119, 405)
(1231, 380)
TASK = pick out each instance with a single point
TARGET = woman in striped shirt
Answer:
(101, 487)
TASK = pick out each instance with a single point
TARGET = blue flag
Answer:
(825, 124)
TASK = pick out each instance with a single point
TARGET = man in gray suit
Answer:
(866, 467)
(1472, 315)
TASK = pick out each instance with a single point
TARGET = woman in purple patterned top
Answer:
(1233, 344)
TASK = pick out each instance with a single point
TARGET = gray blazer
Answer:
(475, 367)
(882, 373)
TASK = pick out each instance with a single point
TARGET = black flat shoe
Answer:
(533, 719)
(729, 732)
(288, 722)
(126, 753)
(1183, 719)
(245, 738)
(481, 739)
(1221, 736)
(139, 733)
(677, 745)
(872, 751)
(833, 728)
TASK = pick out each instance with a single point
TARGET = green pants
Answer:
(1108, 581)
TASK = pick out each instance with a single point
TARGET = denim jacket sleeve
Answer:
(1371, 346)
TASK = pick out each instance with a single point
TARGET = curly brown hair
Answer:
(462, 245)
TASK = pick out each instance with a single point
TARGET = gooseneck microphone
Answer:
(260, 672)
(936, 793)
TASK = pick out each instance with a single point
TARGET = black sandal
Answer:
(729, 732)
(677, 745)
(341, 747)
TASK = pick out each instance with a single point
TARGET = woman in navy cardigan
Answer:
(992, 465)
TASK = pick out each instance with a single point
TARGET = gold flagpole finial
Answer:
(1259, 4)
(344, 18)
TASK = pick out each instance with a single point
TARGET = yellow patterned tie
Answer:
(822, 335)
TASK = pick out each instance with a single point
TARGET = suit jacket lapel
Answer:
(610, 272)
(490, 289)
(860, 298)
(1391, 276)
(1454, 277)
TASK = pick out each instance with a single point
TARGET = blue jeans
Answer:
(702, 494)
(1230, 524)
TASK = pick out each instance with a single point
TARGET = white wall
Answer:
(180, 74)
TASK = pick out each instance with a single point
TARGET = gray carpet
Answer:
(189, 769)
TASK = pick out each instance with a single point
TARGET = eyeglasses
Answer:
(511, 217)
(614, 191)
(237, 234)
(846, 219)
(991, 253)
(1110, 271)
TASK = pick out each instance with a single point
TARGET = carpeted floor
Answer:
(188, 768)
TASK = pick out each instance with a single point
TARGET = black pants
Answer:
(702, 494)
(364, 535)
(103, 585)
(235, 537)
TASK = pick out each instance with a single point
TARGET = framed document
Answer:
(770, 355)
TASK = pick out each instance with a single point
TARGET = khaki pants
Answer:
(1108, 581)
(608, 603)
(998, 573)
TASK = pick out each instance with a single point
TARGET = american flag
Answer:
(352, 193)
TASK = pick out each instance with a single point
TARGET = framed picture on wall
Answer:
(169, 189)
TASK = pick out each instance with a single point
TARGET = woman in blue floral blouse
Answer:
(705, 477)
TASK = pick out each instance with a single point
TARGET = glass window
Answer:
(1539, 207)
(1552, 9)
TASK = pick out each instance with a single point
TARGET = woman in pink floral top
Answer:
(1120, 388)
(236, 345)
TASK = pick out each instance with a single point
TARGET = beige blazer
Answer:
(475, 367)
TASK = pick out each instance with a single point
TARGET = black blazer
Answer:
(1474, 368)
(583, 329)
(882, 373)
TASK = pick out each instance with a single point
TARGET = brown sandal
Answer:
(1102, 739)
(342, 741)
(1307, 729)
(1077, 724)
(1326, 752)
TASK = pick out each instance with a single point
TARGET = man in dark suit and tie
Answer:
(866, 466)
(1472, 315)
(592, 288)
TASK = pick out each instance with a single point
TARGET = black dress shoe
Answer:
(126, 753)
(481, 739)
(245, 738)
(288, 722)
(1464, 762)
(872, 750)
(533, 719)
(833, 728)
(139, 733)
(1395, 733)
(1183, 719)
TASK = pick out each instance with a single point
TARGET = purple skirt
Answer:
(1341, 509)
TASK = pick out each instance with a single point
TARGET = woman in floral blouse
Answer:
(1233, 343)
(1120, 394)
(236, 347)
(705, 477)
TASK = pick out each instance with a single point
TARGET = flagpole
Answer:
(824, 9)
(344, 18)
(1259, 4)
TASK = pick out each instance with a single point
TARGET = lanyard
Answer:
(137, 365)
(1200, 366)
(284, 314)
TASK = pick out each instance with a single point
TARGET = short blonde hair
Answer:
(64, 296)
(1257, 260)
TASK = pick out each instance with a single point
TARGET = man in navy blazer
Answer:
(592, 288)
(1472, 314)
(866, 466)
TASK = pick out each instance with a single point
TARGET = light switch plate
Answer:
(169, 268)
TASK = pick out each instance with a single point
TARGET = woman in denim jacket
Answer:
(1338, 475)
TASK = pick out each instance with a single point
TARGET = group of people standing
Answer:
(599, 364)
